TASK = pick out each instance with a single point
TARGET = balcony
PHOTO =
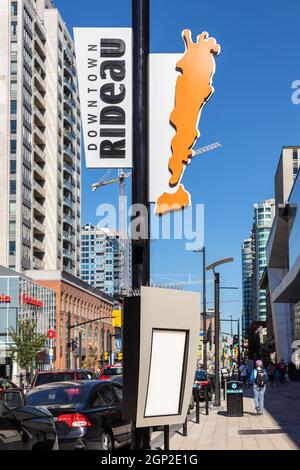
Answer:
(38, 188)
(38, 227)
(68, 236)
(39, 99)
(39, 81)
(69, 185)
(39, 118)
(70, 69)
(68, 220)
(39, 137)
(40, 45)
(69, 169)
(69, 101)
(39, 171)
(68, 254)
(69, 118)
(68, 84)
(69, 152)
(68, 202)
(38, 208)
(39, 154)
(69, 135)
(40, 29)
(38, 263)
(38, 246)
(39, 61)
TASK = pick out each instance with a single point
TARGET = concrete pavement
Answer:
(277, 429)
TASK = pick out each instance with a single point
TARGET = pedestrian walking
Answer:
(271, 373)
(277, 375)
(243, 373)
(282, 369)
(259, 379)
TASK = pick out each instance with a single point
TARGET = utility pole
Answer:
(140, 196)
(80, 349)
(239, 343)
(140, 247)
(217, 339)
(204, 309)
(68, 350)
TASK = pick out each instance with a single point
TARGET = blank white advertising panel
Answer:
(165, 380)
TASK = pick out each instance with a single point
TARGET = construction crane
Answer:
(124, 284)
(123, 239)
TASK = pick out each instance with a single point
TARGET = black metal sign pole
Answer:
(140, 247)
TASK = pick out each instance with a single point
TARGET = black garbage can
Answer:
(234, 395)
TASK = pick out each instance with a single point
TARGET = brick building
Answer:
(84, 302)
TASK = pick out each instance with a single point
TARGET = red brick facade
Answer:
(83, 305)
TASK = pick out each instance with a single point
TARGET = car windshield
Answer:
(56, 377)
(200, 375)
(112, 371)
(57, 395)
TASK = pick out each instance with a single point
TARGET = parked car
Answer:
(107, 372)
(51, 376)
(88, 413)
(7, 384)
(24, 427)
(202, 382)
(117, 378)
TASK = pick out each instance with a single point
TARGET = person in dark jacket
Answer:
(259, 379)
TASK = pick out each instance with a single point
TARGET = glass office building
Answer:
(20, 299)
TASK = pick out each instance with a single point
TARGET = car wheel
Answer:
(106, 441)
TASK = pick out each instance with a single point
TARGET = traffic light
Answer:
(106, 356)
(120, 356)
(117, 318)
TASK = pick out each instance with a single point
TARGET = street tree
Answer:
(27, 344)
(91, 361)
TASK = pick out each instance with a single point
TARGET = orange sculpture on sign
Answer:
(193, 90)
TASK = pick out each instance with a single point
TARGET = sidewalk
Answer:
(277, 429)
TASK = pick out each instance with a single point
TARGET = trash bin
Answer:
(234, 395)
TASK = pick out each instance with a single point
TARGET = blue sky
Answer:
(251, 113)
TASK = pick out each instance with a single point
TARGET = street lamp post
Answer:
(204, 307)
(217, 324)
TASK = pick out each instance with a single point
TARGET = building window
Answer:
(13, 126)
(12, 187)
(14, 28)
(13, 66)
(13, 147)
(13, 107)
(12, 248)
(12, 208)
(13, 167)
(14, 8)
(12, 227)
(295, 154)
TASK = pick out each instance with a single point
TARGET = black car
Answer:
(24, 427)
(202, 382)
(7, 384)
(88, 413)
(49, 376)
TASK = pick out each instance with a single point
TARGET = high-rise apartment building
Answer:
(105, 259)
(262, 224)
(40, 148)
(247, 275)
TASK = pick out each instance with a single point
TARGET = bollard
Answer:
(167, 437)
(224, 390)
(185, 428)
(206, 401)
(197, 407)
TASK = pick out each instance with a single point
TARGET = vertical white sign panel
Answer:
(162, 81)
(104, 64)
